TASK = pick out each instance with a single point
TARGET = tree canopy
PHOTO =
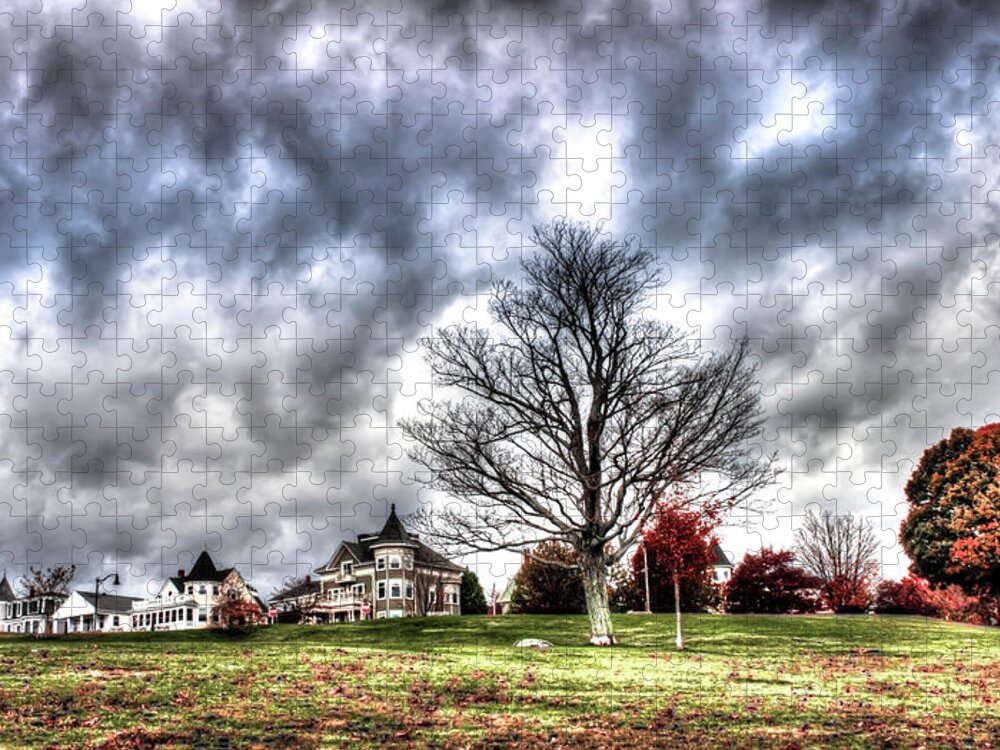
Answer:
(952, 530)
(576, 411)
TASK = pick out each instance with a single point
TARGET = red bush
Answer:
(911, 596)
(769, 582)
(955, 605)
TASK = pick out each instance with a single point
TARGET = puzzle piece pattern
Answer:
(224, 227)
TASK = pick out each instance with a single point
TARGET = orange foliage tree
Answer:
(952, 530)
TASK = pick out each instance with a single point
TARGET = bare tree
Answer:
(428, 592)
(841, 552)
(54, 581)
(579, 412)
(51, 582)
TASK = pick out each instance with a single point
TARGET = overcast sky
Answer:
(223, 231)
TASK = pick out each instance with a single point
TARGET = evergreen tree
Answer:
(473, 600)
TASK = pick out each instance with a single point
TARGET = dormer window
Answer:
(346, 568)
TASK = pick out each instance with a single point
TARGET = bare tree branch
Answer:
(576, 413)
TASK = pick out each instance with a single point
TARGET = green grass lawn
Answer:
(773, 682)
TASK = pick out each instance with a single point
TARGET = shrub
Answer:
(910, 596)
(953, 604)
(770, 583)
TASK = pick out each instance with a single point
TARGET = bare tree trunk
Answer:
(595, 588)
(677, 610)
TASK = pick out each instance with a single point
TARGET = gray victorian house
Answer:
(388, 574)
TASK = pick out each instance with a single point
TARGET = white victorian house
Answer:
(78, 613)
(190, 600)
(7, 597)
(387, 574)
(27, 614)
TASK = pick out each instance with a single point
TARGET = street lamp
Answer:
(97, 593)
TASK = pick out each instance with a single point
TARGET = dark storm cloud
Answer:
(224, 230)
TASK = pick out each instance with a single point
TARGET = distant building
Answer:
(27, 614)
(722, 565)
(388, 574)
(189, 601)
(506, 600)
(77, 614)
(7, 596)
(296, 602)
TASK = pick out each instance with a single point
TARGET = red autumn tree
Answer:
(678, 546)
(910, 596)
(952, 530)
(236, 609)
(770, 583)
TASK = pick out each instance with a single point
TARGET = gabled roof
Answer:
(720, 558)
(110, 602)
(6, 590)
(204, 570)
(393, 532)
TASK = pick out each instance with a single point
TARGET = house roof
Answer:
(204, 570)
(304, 588)
(393, 532)
(6, 590)
(110, 602)
(720, 558)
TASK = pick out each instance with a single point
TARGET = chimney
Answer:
(180, 572)
(309, 579)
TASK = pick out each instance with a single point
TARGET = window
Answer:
(394, 562)
(380, 615)
(346, 568)
(379, 563)
(215, 590)
(190, 588)
(114, 621)
(409, 590)
(201, 616)
(409, 562)
(395, 589)
(432, 596)
(358, 589)
(201, 589)
(381, 589)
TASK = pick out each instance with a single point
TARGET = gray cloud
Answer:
(222, 233)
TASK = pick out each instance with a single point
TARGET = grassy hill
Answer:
(458, 682)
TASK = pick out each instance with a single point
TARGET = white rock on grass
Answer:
(533, 643)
